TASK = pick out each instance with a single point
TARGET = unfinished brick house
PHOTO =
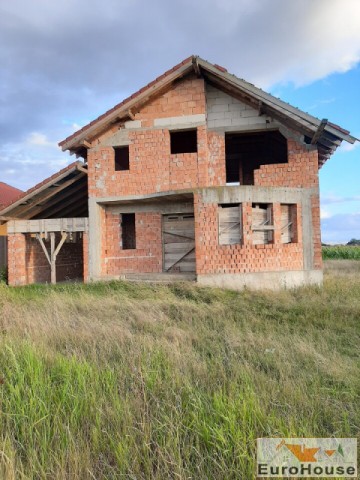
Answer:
(199, 175)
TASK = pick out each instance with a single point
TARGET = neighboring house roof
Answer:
(8, 193)
(326, 135)
(64, 194)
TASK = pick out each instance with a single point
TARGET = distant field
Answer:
(127, 381)
(341, 252)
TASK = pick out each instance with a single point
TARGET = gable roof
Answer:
(8, 193)
(322, 133)
(64, 194)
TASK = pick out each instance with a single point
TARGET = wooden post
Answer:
(52, 258)
(53, 252)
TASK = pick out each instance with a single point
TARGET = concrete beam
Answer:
(95, 229)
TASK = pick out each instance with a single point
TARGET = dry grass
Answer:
(150, 382)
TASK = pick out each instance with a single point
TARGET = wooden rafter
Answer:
(23, 209)
(60, 205)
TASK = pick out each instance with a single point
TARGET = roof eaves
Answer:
(45, 183)
(123, 107)
(308, 121)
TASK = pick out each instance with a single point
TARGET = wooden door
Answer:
(179, 243)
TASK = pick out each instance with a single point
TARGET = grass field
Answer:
(341, 252)
(127, 381)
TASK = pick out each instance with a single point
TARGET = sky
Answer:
(64, 63)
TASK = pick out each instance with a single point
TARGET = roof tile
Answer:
(8, 193)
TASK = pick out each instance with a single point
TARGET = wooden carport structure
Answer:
(53, 212)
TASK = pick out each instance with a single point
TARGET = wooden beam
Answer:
(196, 67)
(85, 144)
(130, 114)
(82, 169)
(54, 251)
(41, 241)
(261, 108)
(319, 131)
(64, 236)
(79, 224)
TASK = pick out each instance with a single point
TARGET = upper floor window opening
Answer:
(122, 158)
(183, 141)
(246, 152)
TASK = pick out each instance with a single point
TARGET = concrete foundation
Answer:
(262, 280)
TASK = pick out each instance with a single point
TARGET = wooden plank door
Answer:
(179, 243)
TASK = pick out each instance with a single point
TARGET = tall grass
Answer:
(136, 381)
(341, 252)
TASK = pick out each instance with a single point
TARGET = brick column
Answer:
(246, 223)
(277, 222)
(315, 210)
(17, 259)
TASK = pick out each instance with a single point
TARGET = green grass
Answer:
(341, 252)
(131, 381)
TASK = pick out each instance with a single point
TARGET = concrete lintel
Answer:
(120, 138)
(171, 195)
(184, 121)
(262, 280)
(250, 193)
(163, 208)
(245, 128)
(133, 124)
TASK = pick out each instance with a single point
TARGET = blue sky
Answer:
(337, 98)
(65, 63)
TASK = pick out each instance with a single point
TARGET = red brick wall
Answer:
(187, 97)
(16, 259)
(214, 258)
(28, 264)
(300, 171)
(146, 258)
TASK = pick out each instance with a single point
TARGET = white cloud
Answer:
(41, 140)
(349, 147)
(337, 199)
(324, 213)
(76, 126)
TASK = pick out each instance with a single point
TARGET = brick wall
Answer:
(28, 264)
(146, 258)
(187, 97)
(214, 258)
(300, 171)
(17, 274)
